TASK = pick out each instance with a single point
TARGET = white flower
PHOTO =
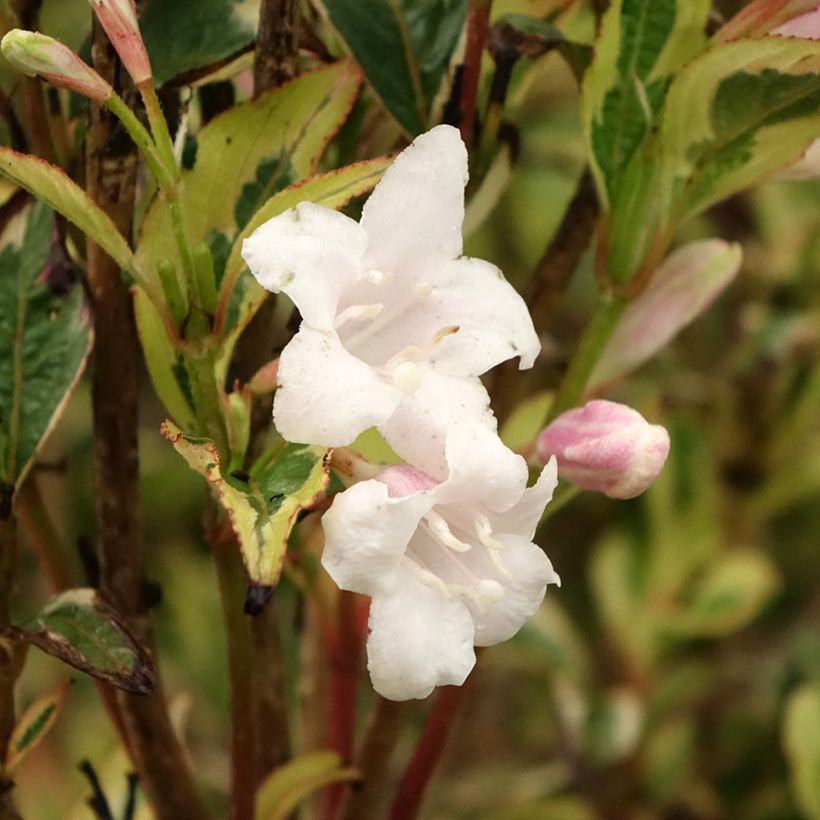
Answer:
(397, 326)
(449, 565)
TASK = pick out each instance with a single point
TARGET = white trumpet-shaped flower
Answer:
(449, 565)
(397, 325)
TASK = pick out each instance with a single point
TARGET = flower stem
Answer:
(478, 19)
(232, 582)
(428, 753)
(595, 336)
(365, 802)
(159, 126)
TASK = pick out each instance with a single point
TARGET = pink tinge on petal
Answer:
(806, 26)
(119, 19)
(606, 447)
(402, 480)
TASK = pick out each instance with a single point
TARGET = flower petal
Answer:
(531, 571)
(418, 640)
(523, 518)
(325, 395)
(312, 254)
(415, 213)
(493, 321)
(481, 469)
(366, 533)
(418, 429)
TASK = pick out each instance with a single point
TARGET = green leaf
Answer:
(164, 361)
(181, 36)
(287, 128)
(240, 298)
(641, 45)
(801, 739)
(34, 724)
(284, 789)
(262, 509)
(404, 47)
(734, 115)
(731, 594)
(52, 185)
(45, 340)
(81, 629)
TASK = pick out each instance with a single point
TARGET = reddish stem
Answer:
(417, 775)
(478, 19)
(344, 645)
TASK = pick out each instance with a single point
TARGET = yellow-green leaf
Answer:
(248, 153)
(262, 508)
(801, 739)
(285, 788)
(52, 185)
(34, 724)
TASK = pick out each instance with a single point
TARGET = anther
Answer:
(357, 313)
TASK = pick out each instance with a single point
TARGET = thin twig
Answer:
(8, 550)
(366, 798)
(428, 753)
(277, 46)
(111, 170)
(232, 583)
(478, 19)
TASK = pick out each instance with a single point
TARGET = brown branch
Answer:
(111, 172)
(478, 20)
(277, 46)
(366, 798)
(8, 671)
(548, 283)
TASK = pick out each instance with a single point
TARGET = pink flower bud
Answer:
(38, 55)
(402, 479)
(792, 18)
(607, 447)
(119, 19)
(682, 288)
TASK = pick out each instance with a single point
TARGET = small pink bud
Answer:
(682, 288)
(119, 19)
(38, 55)
(764, 17)
(402, 479)
(607, 447)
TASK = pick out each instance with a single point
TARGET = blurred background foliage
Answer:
(676, 672)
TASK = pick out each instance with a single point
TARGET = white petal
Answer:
(415, 212)
(366, 533)
(418, 640)
(523, 518)
(493, 320)
(312, 254)
(325, 395)
(531, 572)
(418, 429)
(481, 469)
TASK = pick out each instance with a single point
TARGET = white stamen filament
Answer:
(487, 593)
(357, 313)
(442, 532)
(484, 531)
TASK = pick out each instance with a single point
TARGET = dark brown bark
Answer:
(111, 172)
(277, 48)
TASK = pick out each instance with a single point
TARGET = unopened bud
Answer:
(606, 447)
(119, 19)
(682, 288)
(38, 55)
(764, 17)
